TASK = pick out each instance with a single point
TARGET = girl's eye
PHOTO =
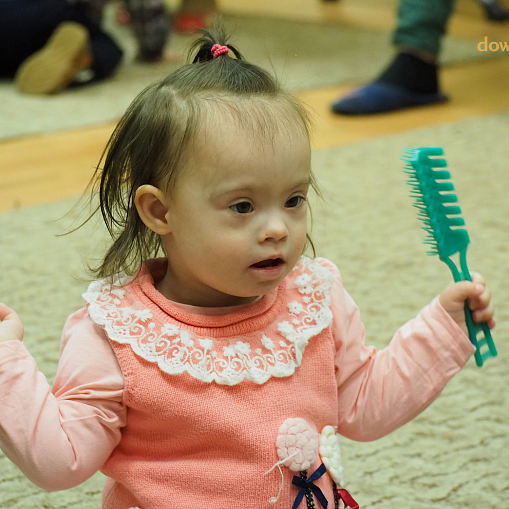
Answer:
(243, 207)
(295, 201)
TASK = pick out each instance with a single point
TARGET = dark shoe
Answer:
(53, 67)
(380, 97)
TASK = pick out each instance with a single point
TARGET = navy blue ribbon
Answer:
(307, 484)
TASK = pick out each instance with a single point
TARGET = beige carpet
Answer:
(303, 55)
(453, 456)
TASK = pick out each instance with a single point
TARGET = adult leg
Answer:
(27, 25)
(422, 25)
(92, 8)
(107, 54)
(411, 78)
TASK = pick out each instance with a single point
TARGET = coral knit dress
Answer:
(228, 411)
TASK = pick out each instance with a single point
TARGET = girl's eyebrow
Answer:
(233, 189)
(303, 182)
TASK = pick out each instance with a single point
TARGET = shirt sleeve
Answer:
(379, 391)
(60, 437)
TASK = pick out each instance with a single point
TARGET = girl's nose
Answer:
(275, 229)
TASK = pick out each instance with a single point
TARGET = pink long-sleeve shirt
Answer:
(298, 352)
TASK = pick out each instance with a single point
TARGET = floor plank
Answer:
(51, 167)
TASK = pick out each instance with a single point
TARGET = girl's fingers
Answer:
(485, 314)
(480, 302)
(481, 305)
(4, 311)
(477, 278)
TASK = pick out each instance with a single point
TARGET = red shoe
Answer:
(185, 23)
(122, 14)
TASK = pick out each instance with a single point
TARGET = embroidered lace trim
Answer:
(254, 356)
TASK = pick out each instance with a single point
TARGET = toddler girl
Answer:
(186, 379)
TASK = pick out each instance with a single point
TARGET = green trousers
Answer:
(422, 24)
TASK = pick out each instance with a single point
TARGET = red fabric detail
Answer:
(347, 499)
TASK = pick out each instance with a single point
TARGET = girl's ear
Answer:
(151, 205)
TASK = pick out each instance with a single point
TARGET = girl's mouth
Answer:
(268, 263)
(268, 270)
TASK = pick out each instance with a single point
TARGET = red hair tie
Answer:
(217, 50)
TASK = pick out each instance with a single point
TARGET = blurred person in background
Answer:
(412, 77)
(148, 19)
(48, 44)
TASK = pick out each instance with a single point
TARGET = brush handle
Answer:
(480, 337)
(479, 333)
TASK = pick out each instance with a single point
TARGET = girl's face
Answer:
(237, 217)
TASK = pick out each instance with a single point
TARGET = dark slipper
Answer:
(379, 97)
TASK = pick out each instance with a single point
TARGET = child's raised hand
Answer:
(478, 295)
(11, 327)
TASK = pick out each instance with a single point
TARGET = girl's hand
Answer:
(479, 301)
(11, 327)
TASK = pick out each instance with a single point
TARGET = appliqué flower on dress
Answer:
(254, 356)
(298, 445)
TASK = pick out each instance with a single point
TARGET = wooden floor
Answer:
(47, 168)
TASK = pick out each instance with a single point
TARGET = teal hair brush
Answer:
(434, 197)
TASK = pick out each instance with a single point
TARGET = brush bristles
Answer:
(433, 196)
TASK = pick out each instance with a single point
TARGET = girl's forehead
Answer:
(233, 140)
(261, 118)
(233, 153)
(246, 137)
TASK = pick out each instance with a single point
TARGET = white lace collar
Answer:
(128, 318)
